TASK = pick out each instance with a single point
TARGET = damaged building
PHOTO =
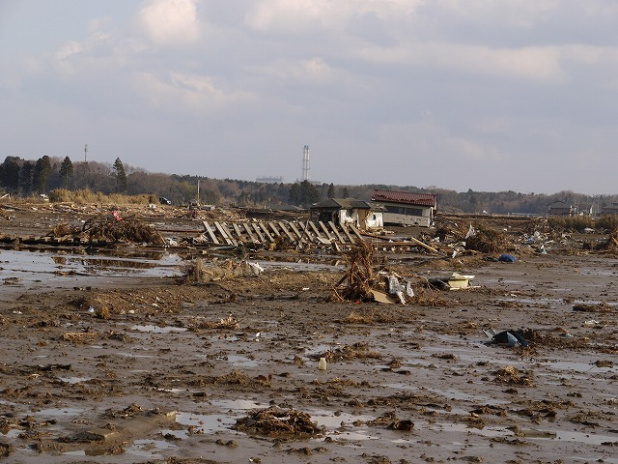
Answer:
(406, 208)
(345, 211)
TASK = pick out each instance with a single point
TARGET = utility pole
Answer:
(86, 153)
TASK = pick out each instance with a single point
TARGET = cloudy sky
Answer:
(482, 94)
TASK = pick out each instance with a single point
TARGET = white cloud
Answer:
(180, 92)
(541, 63)
(169, 22)
(314, 70)
(303, 15)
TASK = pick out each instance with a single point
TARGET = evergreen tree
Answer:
(308, 193)
(121, 176)
(66, 172)
(42, 171)
(331, 191)
(9, 174)
(295, 194)
(26, 174)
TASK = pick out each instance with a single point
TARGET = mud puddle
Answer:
(44, 268)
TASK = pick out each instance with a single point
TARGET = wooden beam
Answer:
(274, 229)
(248, 229)
(306, 230)
(356, 232)
(225, 234)
(296, 231)
(210, 232)
(236, 228)
(345, 231)
(335, 231)
(265, 230)
(259, 233)
(326, 232)
(287, 232)
(315, 229)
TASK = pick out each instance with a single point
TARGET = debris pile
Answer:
(109, 229)
(277, 422)
(359, 275)
(364, 284)
(486, 240)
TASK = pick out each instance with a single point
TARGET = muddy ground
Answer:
(141, 369)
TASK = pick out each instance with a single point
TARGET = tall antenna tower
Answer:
(306, 167)
(86, 153)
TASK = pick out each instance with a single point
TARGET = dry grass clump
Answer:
(277, 422)
(85, 196)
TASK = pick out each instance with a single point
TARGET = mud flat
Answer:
(125, 367)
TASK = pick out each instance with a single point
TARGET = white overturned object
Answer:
(255, 268)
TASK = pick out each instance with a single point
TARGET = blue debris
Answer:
(506, 258)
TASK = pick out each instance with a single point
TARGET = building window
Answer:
(405, 211)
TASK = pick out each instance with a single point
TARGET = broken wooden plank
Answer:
(306, 231)
(315, 229)
(296, 231)
(412, 241)
(326, 232)
(274, 229)
(356, 232)
(287, 232)
(236, 228)
(265, 230)
(345, 231)
(259, 233)
(250, 234)
(213, 237)
(224, 234)
(335, 231)
(424, 245)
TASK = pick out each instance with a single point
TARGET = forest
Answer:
(54, 177)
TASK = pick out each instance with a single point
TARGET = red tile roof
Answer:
(422, 199)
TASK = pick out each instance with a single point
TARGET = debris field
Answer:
(307, 353)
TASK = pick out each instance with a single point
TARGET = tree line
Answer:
(24, 178)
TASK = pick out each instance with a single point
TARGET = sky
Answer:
(485, 95)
